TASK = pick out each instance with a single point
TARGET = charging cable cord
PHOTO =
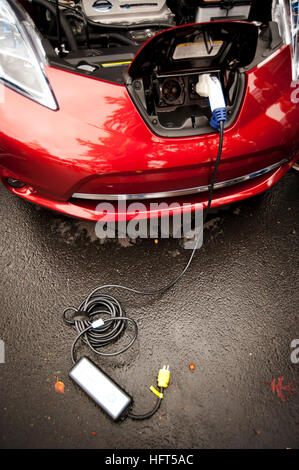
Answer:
(97, 332)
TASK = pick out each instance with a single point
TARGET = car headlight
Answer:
(22, 57)
(295, 30)
(285, 13)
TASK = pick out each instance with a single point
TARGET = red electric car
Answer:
(99, 100)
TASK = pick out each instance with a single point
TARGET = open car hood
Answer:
(197, 46)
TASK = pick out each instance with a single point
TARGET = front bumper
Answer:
(118, 211)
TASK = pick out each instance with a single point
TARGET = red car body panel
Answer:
(97, 142)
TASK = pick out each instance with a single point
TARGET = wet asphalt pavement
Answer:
(233, 315)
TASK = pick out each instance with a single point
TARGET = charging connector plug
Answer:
(163, 377)
(162, 381)
(209, 86)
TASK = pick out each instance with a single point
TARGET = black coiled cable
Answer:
(97, 306)
(93, 308)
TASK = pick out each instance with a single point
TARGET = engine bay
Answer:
(109, 40)
(85, 28)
